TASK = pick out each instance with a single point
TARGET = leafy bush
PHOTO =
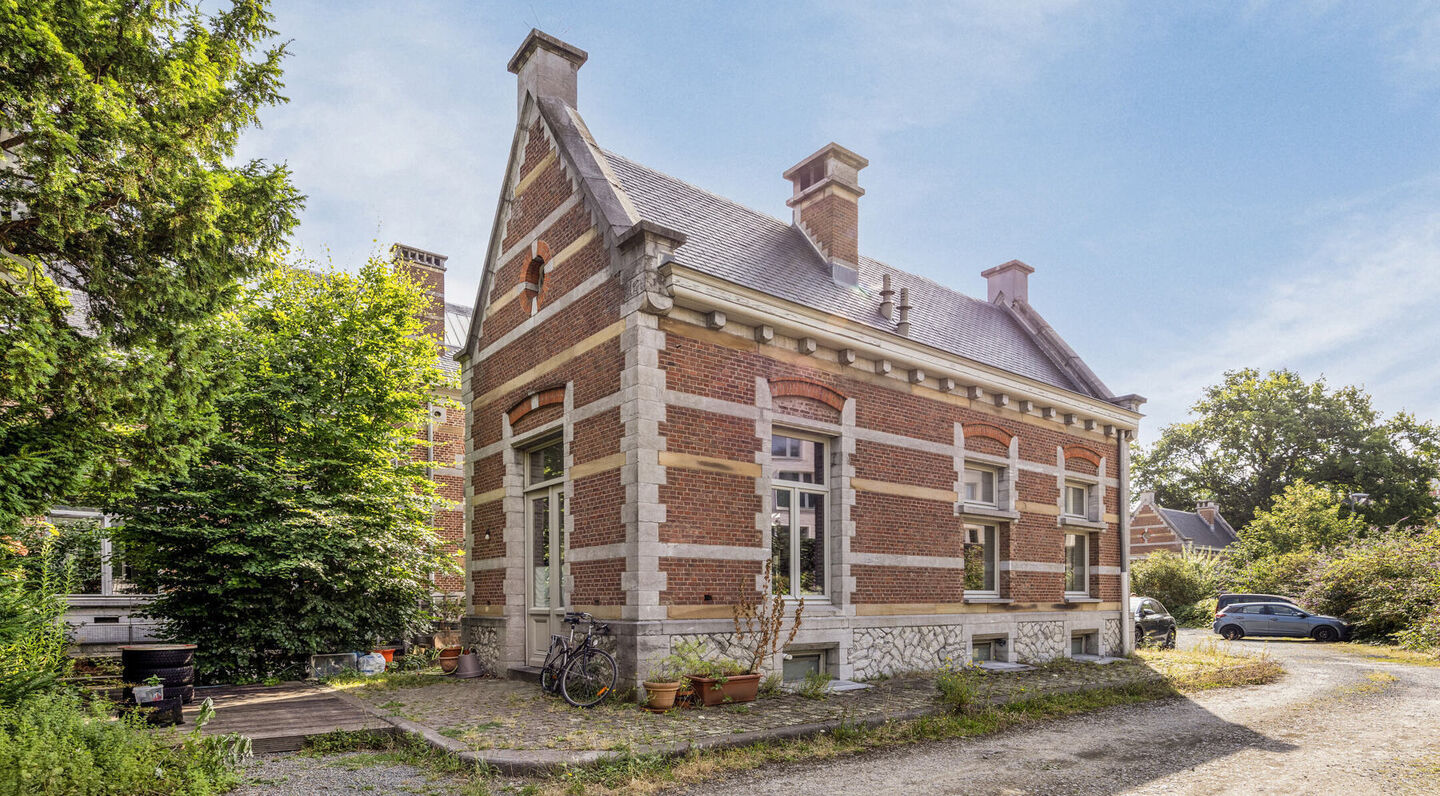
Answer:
(1286, 574)
(55, 744)
(33, 638)
(1178, 581)
(1385, 586)
(307, 526)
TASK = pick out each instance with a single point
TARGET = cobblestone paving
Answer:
(510, 714)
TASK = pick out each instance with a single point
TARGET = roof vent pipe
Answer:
(887, 301)
(904, 326)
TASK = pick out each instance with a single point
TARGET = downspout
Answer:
(1127, 643)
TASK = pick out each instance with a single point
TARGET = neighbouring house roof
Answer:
(457, 325)
(1191, 527)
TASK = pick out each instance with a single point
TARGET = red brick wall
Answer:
(725, 367)
(834, 221)
(1148, 533)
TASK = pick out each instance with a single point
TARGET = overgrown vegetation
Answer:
(33, 640)
(53, 743)
(307, 527)
(1182, 582)
(1385, 582)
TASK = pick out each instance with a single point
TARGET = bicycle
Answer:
(579, 671)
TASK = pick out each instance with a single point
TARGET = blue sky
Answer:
(1199, 186)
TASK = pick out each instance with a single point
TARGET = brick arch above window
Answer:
(1082, 453)
(548, 397)
(535, 292)
(805, 388)
(987, 431)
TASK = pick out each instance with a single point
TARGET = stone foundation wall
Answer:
(483, 635)
(1040, 642)
(880, 651)
(1111, 642)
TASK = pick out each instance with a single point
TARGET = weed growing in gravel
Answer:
(816, 685)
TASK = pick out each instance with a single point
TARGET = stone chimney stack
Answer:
(1010, 278)
(547, 67)
(428, 270)
(1207, 511)
(826, 207)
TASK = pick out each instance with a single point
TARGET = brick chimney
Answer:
(1010, 278)
(1207, 511)
(826, 207)
(547, 67)
(428, 270)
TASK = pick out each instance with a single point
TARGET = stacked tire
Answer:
(174, 664)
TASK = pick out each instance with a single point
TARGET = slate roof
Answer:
(1192, 527)
(755, 250)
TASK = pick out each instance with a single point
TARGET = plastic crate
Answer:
(328, 665)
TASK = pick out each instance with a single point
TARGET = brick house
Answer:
(444, 431)
(1154, 527)
(667, 389)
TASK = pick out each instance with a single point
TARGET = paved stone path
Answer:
(514, 715)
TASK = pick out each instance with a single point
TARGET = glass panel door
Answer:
(547, 571)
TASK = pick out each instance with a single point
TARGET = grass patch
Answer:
(1208, 665)
(385, 681)
(370, 748)
(1390, 654)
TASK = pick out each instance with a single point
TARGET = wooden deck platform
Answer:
(278, 718)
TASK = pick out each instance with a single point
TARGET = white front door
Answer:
(546, 572)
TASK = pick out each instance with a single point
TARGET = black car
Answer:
(1226, 600)
(1153, 624)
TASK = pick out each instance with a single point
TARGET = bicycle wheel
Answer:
(554, 662)
(589, 677)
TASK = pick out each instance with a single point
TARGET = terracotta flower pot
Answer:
(735, 688)
(449, 659)
(661, 696)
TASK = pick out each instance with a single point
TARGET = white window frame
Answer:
(1089, 492)
(995, 474)
(797, 488)
(1085, 560)
(992, 558)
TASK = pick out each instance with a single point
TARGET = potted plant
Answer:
(663, 683)
(759, 625)
(449, 658)
(447, 612)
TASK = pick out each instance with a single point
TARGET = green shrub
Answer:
(816, 685)
(1201, 614)
(1385, 586)
(33, 639)
(53, 744)
(960, 690)
(1178, 581)
(1285, 574)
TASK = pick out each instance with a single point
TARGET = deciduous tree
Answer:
(305, 526)
(1255, 434)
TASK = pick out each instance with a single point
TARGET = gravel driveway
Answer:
(1336, 723)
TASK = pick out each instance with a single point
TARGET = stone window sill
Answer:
(989, 600)
(983, 511)
(1076, 522)
(1079, 599)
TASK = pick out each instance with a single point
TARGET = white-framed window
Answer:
(799, 491)
(1077, 565)
(1077, 500)
(982, 561)
(799, 665)
(980, 485)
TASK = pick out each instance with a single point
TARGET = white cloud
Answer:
(1359, 308)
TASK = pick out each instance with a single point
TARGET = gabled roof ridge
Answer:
(725, 199)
